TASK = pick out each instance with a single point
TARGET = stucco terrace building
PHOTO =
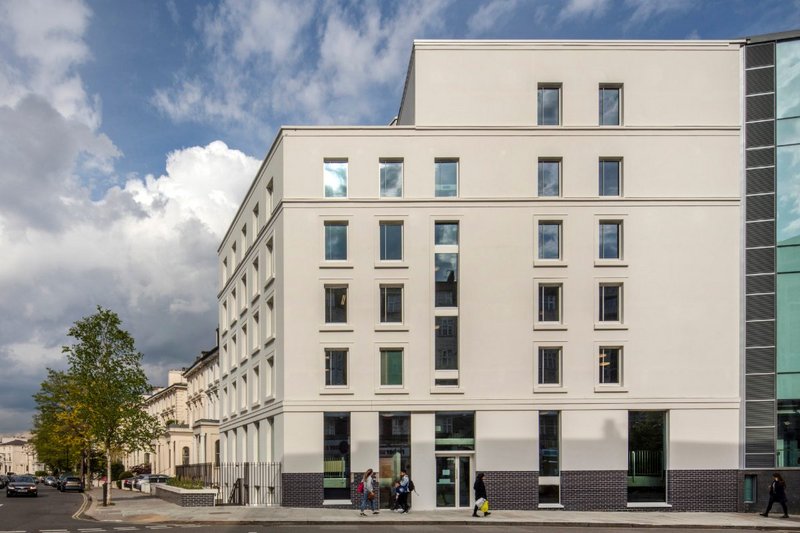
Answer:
(202, 383)
(533, 272)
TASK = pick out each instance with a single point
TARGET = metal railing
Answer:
(257, 484)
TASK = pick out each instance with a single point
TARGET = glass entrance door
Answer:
(453, 481)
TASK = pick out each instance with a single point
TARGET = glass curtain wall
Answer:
(394, 452)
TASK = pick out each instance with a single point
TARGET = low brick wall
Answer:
(186, 497)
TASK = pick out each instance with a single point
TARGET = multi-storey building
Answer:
(18, 455)
(202, 379)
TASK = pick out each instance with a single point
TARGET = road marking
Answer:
(92, 529)
(158, 527)
(126, 528)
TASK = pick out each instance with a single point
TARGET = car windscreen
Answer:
(23, 479)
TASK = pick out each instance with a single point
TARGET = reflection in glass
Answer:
(549, 240)
(609, 303)
(548, 106)
(445, 233)
(549, 362)
(609, 106)
(391, 241)
(549, 303)
(335, 179)
(787, 131)
(391, 367)
(391, 304)
(336, 456)
(335, 305)
(445, 482)
(788, 433)
(549, 175)
(446, 268)
(609, 240)
(609, 177)
(391, 178)
(394, 452)
(446, 177)
(646, 441)
(446, 343)
(335, 368)
(336, 241)
(464, 482)
(549, 444)
(787, 79)
(455, 431)
(787, 194)
(609, 365)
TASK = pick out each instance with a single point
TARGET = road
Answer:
(52, 512)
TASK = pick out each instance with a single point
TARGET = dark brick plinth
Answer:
(302, 490)
(702, 490)
(184, 498)
(594, 490)
(517, 491)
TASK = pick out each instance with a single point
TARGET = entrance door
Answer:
(453, 481)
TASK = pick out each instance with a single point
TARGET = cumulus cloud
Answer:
(582, 9)
(489, 14)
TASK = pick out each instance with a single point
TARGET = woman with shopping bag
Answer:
(481, 501)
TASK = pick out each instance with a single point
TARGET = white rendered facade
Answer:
(673, 333)
(202, 383)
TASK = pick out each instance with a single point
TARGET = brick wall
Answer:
(186, 499)
(763, 480)
(702, 490)
(594, 490)
(302, 490)
(512, 490)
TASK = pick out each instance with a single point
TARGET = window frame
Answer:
(558, 161)
(539, 284)
(604, 87)
(390, 161)
(619, 385)
(537, 367)
(548, 86)
(601, 176)
(385, 223)
(335, 223)
(540, 221)
(436, 184)
(382, 387)
(382, 287)
(339, 349)
(335, 286)
(601, 312)
(325, 185)
(600, 324)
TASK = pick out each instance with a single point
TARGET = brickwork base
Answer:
(594, 490)
(702, 490)
(518, 491)
(302, 490)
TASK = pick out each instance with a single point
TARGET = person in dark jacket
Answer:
(777, 493)
(480, 495)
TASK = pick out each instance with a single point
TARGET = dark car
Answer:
(21, 485)
(3, 481)
(71, 483)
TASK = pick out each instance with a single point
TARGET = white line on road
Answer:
(126, 528)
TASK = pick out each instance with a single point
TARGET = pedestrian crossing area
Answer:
(106, 529)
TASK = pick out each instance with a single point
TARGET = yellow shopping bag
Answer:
(485, 506)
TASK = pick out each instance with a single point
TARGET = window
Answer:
(549, 177)
(549, 366)
(335, 178)
(750, 488)
(549, 240)
(256, 333)
(446, 267)
(335, 367)
(609, 97)
(270, 259)
(336, 456)
(185, 456)
(335, 305)
(335, 241)
(254, 290)
(270, 199)
(647, 439)
(391, 367)
(549, 302)
(610, 300)
(243, 399)
(549, 105)
(454, 431)
(254, 390)
(609, 173)
(446, 343)
(549, 457)
(224, 271)
(256, 225)
(610, 366)
(271, 319)
(446, 177)
(391, 245)
(394, 449)
(609, 240)
(391, 175)
(446, 233)
(391, 304)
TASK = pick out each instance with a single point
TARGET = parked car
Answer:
(149, 479)
(128, 482)
(3, 481)
(21, 485)
(61, 479)
(71, 483)
(50, 481)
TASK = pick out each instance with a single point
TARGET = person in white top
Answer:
(368, 495)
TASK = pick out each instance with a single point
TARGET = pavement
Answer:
(135, 507)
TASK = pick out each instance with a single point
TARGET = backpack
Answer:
(411, 487)
(360, 488)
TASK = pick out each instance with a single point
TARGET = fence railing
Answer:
(646, 463)
(256, 484)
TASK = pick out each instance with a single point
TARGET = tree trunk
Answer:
(108, 474)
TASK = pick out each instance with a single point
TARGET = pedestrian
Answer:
(777, 493)
(368, 494)
(480, 495)
(402, 492)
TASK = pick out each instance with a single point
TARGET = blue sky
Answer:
(130, 130)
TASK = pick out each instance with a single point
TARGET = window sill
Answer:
(557, 389)
(610, 263)
(391, 264)
(551, 263)
(391, 391)
(334, 327)
(649, 505)
(337, 502)
(550, 506)
(391, 327)
(549, 326)
(335, 264)
(610, 326)
(610, 388)
(336, 390)
(446, 390)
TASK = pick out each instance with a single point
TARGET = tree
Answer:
(110, 386)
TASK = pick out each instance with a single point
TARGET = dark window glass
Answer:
(609, 240)
(646, 474)
(609, 106)
(446, 177)
(549, 303)
(549, 363)
(391, 178)
(549, 175)
(609, 366)
(609, 303)
(446, 266)
(391, 241)
(549, 494)
(549, 446)
(446, 233)
(549, 240)
(335, 241)
(446, 343)
(394, 452)
(392, 367)
(455, 431)
(788, 433)
(335, 305)
(391, 304)
(609, 177)
(335, 368)
(548, 106)
(336, 456)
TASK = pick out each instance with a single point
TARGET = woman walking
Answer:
(777, 493)
(368, 496)
(480, 495)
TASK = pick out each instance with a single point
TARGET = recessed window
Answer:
(549, 105)
(391, 237)
(549, 177)
(549, 302)
(335, 305)
(335, 241)
(609, 100)
(610, 302)
(391, 367)
(549, 457)
(609, 240)
(446, 342)
(391, 304)
(550, 240)
(446, 270)
(609, 176)
(335, 368)
(446, 233)
(549, 363)
(610, 366)
(446, 177)
(335, 178)
(391, 177)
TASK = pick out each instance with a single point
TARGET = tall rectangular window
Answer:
(549, 456)
(391, 177)
(446, 177)
(336, 456)
(391, 304)
(609, 100)
(549, 177)
(609, 177)
(609, 240)
(610, 303)
(335, 241)
(610, 365)
(391, 245)
(394, 450)
(391, 367)
(446, 269)
(335, 305)
(335, 178)
(549, 105)
(335, 367)
(549, 302)
(549, 240)
(549, 366)
(446, 342)
(647, 476)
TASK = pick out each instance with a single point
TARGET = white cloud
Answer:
(646, 10)
(582, 9)
(489, 15)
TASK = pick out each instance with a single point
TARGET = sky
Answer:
(131, 130)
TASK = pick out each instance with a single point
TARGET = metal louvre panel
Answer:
(760, 157)
(759, 413)
(760, 107)
(760, 333)
(760, 81)
(760, 234)
(760, 360)
(759, 55)
(760, 180)
(759, 440)
(760, 134)
(760, 284)
(759, 387)
(760, 461)
(760, 307)
(761, 207)
(761, 261)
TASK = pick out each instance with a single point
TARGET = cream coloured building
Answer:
(533, 273)
(202, 381)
